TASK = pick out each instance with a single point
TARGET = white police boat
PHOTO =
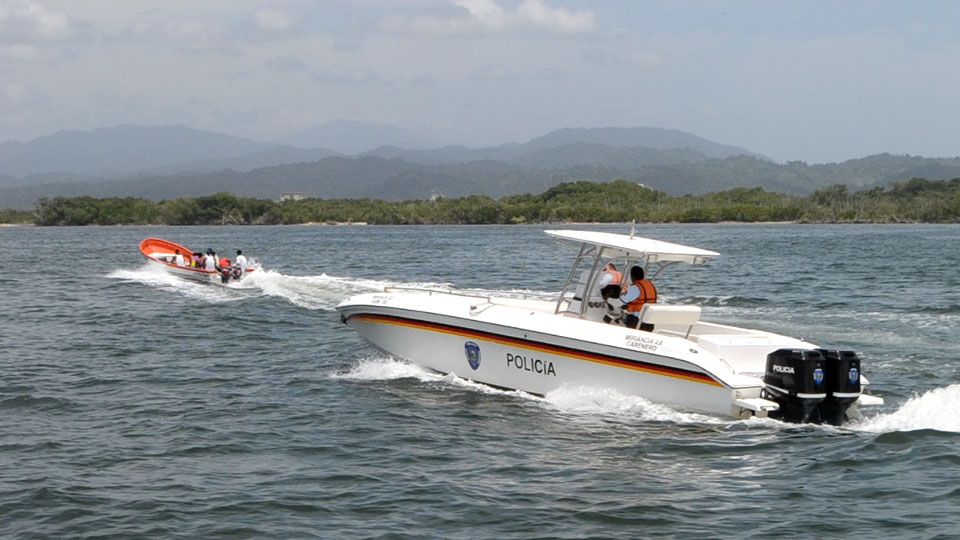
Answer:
(538, 345)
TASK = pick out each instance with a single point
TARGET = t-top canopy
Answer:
(624, 246)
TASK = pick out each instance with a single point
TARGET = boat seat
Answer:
(659, 314)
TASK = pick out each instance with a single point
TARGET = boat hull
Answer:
(525, 354)
(161, 252)
(538, 346)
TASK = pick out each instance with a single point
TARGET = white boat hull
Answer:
(525, 346)
(202, 276)
(538, 346)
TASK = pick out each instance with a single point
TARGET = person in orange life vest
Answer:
(223, 266)
(638, 293)
(610, 276)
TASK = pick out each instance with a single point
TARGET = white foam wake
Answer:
(155, 276)
(595, 401)
(311, 292)
(938, 409)
(571, 400)
(386, 369)
(321, 292)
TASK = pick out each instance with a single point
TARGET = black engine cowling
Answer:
(842, 378)
(794, 378)
(816, 386)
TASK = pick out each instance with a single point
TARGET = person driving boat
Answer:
(612, 305)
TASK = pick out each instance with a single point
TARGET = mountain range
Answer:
(352, 137)
(159, 162)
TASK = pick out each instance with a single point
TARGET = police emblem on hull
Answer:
(472, 351)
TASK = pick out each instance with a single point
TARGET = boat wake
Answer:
(938, 409)
(388, 369)
(320, 292)
(594, 401)
(154, 276)
(573, 400)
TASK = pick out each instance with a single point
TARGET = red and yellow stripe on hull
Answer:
(568, 352)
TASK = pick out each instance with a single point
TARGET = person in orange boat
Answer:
(178, 260)
(225, 269)
(241, 261)
(210, 261)
(640, 292)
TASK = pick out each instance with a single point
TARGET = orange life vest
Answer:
(617, 277)
(648, 293)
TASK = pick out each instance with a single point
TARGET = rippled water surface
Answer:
(133, 404)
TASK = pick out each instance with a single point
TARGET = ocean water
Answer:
(137, 405)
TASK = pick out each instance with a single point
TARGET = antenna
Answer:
(633, 227)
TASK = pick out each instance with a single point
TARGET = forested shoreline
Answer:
(917, 200)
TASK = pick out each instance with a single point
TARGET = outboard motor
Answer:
(794, 378)
(842, 379)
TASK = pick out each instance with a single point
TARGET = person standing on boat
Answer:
(640, 292)
(241, 261)
(179, 259)
(210, 263)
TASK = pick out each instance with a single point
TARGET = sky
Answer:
(815, 81)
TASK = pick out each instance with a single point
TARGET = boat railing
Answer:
(431, 292)
(502, 298)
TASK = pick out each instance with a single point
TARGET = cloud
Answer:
(16, 92)
(21, 53)
(560, 20)
(352, 76)
(620, 60)
(17, 105)
(286, 64)
(184, 34)
(24, 22)
(274, 20)
(484, 17)
(179, 31)
(493, 74)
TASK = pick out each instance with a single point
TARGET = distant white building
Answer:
(293, 196)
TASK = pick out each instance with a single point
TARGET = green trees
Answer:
(17, 217)
(618, 201)
(90, 211)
